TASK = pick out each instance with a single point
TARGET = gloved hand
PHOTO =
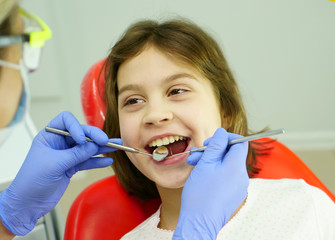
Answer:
(45, 174)
(215, 188)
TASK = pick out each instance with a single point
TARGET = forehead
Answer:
(152, 63)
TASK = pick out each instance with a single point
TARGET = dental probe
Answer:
(238, 140)
(109, 144)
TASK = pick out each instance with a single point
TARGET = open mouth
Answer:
(175, 144)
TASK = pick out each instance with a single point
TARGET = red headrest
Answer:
(92, 95)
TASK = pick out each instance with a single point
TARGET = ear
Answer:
(225, 120)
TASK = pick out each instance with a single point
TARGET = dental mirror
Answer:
(160, 153)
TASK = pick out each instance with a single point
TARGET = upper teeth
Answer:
(165, 141)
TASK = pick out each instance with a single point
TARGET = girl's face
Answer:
(160, 100)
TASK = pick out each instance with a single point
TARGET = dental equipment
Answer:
(109, 144)
(162, 152)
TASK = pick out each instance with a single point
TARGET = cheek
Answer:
(208, 119)
(203, 114)
(11, 87)
(127, 129)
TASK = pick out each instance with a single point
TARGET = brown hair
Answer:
(189, 43)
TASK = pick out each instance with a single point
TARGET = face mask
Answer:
(22, 110)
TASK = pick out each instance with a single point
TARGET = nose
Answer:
(157, 115)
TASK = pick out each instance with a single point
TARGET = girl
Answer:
(169, 84)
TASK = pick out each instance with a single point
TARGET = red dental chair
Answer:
(104, 210)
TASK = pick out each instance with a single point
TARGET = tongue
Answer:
(177, 147)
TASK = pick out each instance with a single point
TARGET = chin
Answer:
(173, 181)
(173, 185)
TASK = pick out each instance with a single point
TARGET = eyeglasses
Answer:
(35, 34)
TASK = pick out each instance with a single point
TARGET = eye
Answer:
(132, 101)
(177, 91)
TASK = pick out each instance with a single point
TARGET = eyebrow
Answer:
(168, 79)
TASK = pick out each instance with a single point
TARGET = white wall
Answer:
(282, 53)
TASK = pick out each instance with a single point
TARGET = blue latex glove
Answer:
(45, 174)
(215, 188)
